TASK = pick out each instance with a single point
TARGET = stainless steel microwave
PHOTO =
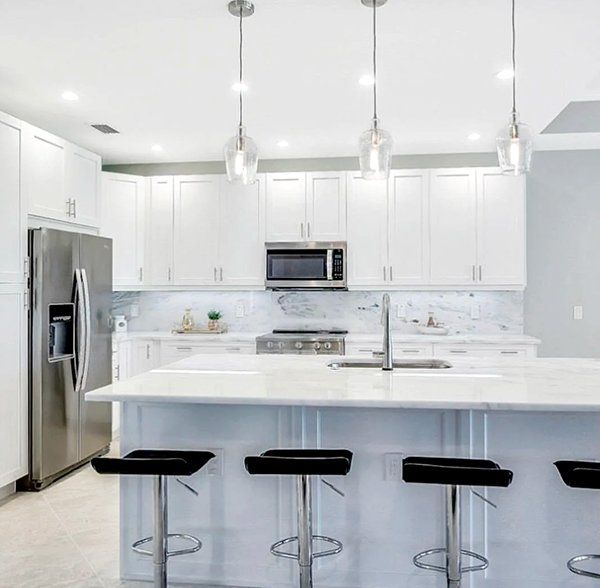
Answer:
(306, 266)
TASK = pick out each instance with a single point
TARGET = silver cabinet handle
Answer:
(410, 350)
(384, 274)
(215, 273)
(141, 274)
(391, 273)
(169, 274)
(308, 229)
(68, 203)
(458, 350)
(473, 273)
(376, 353)
(233, 349)
(118, 373)
(147, 350)
(183, 348)
(302, 230)
(74, 208)
(509, 353)
(480, 273)
(221, 274)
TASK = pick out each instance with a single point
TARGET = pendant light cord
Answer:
(241, 68)
(375, 60)
(514, 60)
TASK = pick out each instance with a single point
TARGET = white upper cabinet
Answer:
(12, 213)
(83, 170)
(409, 227)
(367, 231)
(196, 228)
(453, 226)
(123, 206)
(501, 228)
(306, 206)
(242, 233)
(326, 206)
(159, 232)
(286, 207)
(44, 163)
(61, 180)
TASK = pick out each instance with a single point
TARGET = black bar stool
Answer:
(580, 474)
(304, 464)
(162, 464)
(453, 473)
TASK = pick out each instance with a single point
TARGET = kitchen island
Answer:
(525, 415)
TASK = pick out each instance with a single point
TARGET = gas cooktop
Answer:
(304, 341)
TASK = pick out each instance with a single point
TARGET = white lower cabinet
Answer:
(13, 385)
(474, 350)
(145, 355)
(400, 349)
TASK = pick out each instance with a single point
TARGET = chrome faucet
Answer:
(388, 352)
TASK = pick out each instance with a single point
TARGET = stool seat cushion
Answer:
(300, 462)
(154, 462)
(455, 472)
(580, 474)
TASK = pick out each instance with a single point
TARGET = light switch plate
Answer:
(578, 313)
(401, 311)
(240, 311)
(475, 311)
(134, 310)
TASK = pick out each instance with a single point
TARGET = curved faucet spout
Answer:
(388, 352)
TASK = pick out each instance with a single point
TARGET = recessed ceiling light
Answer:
(474, 137)
(69, 95)
(505, 74)
(282, 143)
(239, 87)
(366, 80)
(156, 148)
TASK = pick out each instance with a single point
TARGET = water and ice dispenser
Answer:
(61, 331)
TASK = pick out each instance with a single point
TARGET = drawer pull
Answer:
(183, 348)
(509, 352)
(458, 351)
(233, 349)
(410, 350)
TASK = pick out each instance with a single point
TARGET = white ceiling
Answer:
(160, 71)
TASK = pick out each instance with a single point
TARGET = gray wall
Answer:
(563, 252)
(323, 164)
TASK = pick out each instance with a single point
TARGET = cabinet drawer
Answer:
(172, 351)
(400, 350)
(465, 350)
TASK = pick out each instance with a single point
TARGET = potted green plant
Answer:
(213, 320)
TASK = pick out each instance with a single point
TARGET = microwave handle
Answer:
(330, 264)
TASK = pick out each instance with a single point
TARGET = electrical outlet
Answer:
(475, 311)
(393, 467)
(401, 311)
(578, 313)
(240, 311)
(134, 310)
(215, 466)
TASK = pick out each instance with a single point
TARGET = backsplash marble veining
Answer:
(358, 312)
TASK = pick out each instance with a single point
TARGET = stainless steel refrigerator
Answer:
(70, 351)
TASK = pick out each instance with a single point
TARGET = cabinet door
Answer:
(13, 385)
(123, 200)
(500, 228)
(242, 233)
(409, 224)
(196, 230)
(286, 207)
(159, 234)
(83, 184)
(326, 206)
(44, 174)
(453, 223)
(367, 231)
(144, 356)
(12, 213)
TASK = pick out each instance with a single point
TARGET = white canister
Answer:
(120, 323)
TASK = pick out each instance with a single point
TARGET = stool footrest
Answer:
(196, 545)
(427, 566)
(325, 553)
(579, 558)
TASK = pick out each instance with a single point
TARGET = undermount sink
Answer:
(403, 364)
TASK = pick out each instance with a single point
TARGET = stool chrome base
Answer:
(196, 545)
(463, 570)
(578, 559)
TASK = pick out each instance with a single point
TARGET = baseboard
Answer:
(7, 490)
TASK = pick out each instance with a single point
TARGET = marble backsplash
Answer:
(358, 312)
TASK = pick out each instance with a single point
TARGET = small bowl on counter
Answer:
(437, 330)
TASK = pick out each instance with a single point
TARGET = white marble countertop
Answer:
(356, 338)
(471, 384)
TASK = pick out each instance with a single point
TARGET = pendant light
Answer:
(241, 152)
(375, 144)
(514, 142)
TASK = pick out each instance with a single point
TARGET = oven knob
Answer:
(280, 345)
(317, 346)
(298, 345)
(270, 345)
(327, 345)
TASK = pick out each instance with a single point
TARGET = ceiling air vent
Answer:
(106, 129)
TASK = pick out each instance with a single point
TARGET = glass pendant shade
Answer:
(241, 158)
(375, 153)
(515, 147)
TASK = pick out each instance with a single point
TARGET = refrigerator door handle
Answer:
(80, 357)
(88, 328)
